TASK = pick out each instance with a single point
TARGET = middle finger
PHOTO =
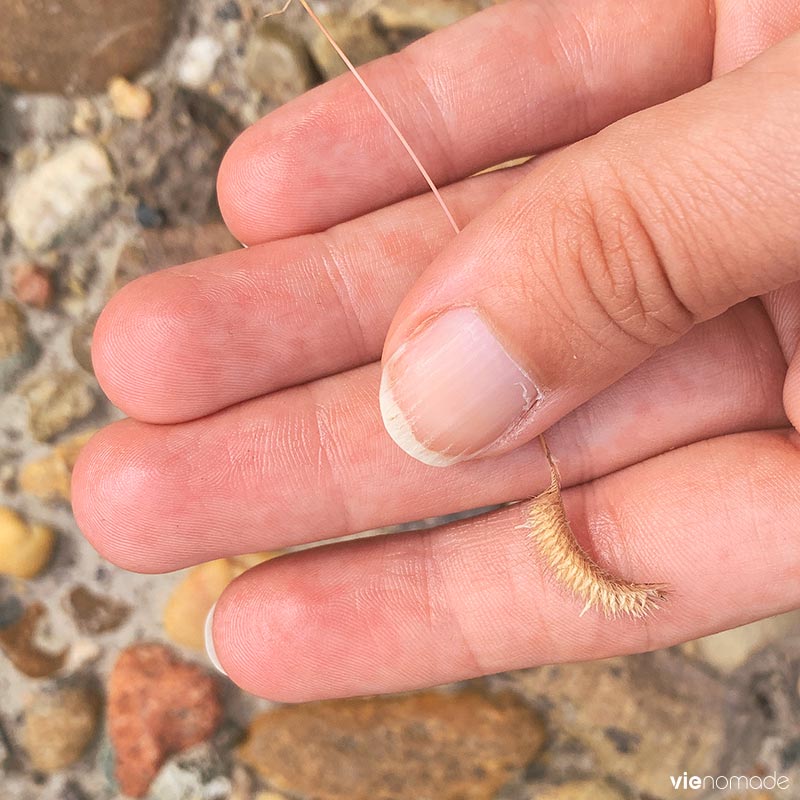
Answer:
(188, 341)
(314, 461)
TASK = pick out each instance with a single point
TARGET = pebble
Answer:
(59, 725)
(199, 61)
(277, 63)
(95, 613)
(229, 11)
(49, 478)
(49, 115)
(20, 642)
(25, 548)
(198, 774)
(129, 100)
(158, 705)
(188, 606)
(459, 746)
(31, 285)
(58, 46)
(729, 650)
(422, 18)
(85, 117)
(632, 714)
(61, 197)
(57, 401)
(356, 36)
(149, 217)
(18, 350)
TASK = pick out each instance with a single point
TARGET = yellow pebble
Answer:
(130, 100)
(24, 548)
(49, 478)
(191, 600)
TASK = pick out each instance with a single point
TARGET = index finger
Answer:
(517, 79)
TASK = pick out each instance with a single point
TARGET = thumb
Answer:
(610, 249)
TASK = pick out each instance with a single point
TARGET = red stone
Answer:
(31, 286)
(158, 705)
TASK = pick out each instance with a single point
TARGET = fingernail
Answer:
(453, 390)
(210, 649)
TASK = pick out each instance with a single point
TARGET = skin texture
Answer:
(252, 384)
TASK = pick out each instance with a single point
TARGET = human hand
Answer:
(253, 392)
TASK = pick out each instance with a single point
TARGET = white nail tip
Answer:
(399, 428)
(209, 635)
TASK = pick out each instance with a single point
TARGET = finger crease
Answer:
(335, 263)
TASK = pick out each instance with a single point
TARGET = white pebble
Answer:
(199, 61)
(62, 195)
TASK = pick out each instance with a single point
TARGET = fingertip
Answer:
(88, 469)
(103, 351)
(310, 165)
(211, 650)
(115, 496)
(80, 490)
(147, 351)
(258, 630)
(119, 336)
(268, 177)
(94, 483)
(237, 186)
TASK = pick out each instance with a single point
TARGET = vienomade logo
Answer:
(697, 782)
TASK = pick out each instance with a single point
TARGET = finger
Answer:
(716, 521)
(184, 342)
(619, 247)
(745, 28)
(314, 462)
(517, 79)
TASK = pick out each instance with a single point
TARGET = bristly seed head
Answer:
(571, 565)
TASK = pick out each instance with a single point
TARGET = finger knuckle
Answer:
(617, 262)
(336, 262)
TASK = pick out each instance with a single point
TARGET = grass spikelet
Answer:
(572, 566)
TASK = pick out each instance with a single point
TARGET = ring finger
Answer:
(314, 461)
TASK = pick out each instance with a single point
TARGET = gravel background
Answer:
(91, 198)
